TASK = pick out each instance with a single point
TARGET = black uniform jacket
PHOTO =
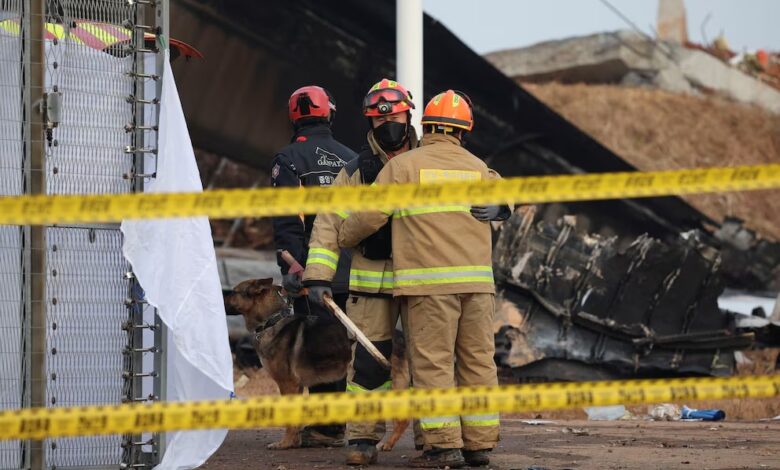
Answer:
(314, 158)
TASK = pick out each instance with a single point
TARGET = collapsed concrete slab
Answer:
(705, 71)
(630, 58)
(578, 307)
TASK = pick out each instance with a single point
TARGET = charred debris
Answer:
(577, 306)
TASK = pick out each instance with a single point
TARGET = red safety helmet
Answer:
(450, 109)
(311, 102)
(387, 97)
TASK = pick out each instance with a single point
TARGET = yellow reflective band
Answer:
(326, 253)
(101, 34)
(440, 422)
(481, 420)
(324, 262)
(445, 269)
(58, 31)
(342, 214)
(363, 278)
(323, 256)
(453, 280)
(11, 26)
(429, 175)
(445, 275)
(430, 210)
(356, 388)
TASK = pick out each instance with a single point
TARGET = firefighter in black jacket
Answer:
(313, 158)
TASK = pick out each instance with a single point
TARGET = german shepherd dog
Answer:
(298, 353)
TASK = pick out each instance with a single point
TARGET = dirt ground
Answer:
(563, 445)
(746, 440)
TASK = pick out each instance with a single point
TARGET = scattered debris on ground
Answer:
(607, 445)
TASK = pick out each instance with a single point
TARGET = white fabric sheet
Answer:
(175, 263)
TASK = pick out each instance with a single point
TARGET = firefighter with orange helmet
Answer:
(387, 106)
(313, 158)
(442, 274)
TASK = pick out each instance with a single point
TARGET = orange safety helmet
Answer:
(387, 97)
(451, 109)
(311, 102)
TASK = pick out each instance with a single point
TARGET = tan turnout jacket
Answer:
(437, 249)
(365, 275)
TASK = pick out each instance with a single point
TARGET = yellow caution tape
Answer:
(330, 408)
(34, 210)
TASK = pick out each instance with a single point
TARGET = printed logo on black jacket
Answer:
(329, 159)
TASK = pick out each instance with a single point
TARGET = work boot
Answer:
(439, 458)
(312, 438)
(476, 458)
(361, 453)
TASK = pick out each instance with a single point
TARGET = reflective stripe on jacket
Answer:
(436, 249)
(365, 275)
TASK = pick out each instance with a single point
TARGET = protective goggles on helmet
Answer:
(384, 99)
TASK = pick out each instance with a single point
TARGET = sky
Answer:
(489, 25)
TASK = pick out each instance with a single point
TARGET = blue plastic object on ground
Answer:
(705, 415)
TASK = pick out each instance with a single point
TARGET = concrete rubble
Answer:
(630, 58)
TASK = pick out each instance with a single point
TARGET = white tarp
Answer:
(175, 263)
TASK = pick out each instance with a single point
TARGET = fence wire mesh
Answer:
(88, 61)
(100, 348)
(86, 345)
(12, 135)
(90, 66)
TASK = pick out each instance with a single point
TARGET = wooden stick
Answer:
(296, 268)
(361, 338)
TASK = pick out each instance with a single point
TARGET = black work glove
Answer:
(485, 213)
(292, 284)
(317, 294)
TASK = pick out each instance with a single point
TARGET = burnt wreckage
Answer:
(574, 306)
(625, 327)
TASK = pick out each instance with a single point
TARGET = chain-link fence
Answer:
(100, 341)
(12, 155)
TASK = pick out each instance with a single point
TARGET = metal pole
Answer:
(36, 175)
(162, 20)
(409, 52)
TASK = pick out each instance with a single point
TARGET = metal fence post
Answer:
(162, 21)
(36, 176)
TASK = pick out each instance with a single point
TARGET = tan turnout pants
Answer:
(377, 318)
(450, 342)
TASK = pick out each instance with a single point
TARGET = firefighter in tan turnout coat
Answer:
(442, 273)
(371, 305)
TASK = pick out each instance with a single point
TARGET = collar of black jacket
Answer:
(311, 130)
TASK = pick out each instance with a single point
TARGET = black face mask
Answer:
(391, 135)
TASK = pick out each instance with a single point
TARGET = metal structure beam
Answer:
(409, 52)
(36, 177)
